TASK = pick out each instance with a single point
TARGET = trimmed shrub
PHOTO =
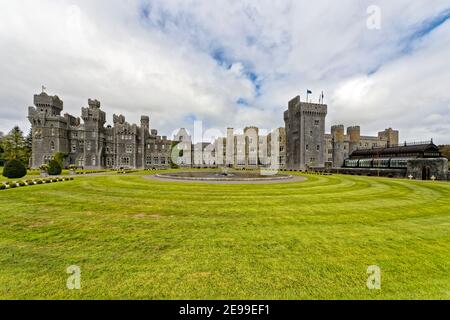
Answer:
(21, 184)
(13, 185)
(2, 187)
(39, 182)
(54, 168)
(14, 169)
(29, 182)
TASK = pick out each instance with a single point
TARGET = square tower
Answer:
(305, 134)
(230, 148)
(94, 135)
(49, 129)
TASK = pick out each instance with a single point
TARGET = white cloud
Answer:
(157, 58)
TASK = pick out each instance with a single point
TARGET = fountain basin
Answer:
(250, 176)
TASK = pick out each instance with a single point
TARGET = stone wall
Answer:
(424, 169)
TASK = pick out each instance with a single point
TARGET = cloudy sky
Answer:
(232, 63)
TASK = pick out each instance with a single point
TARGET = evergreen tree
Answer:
(15, 146)
(60, 158)
(29, 139)
(54, 168)
(2, 151)
(445, 150)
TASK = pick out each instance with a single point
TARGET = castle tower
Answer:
(354, 136)
(220, 152)
(305, 134)
(230, 150)
(337, 136)
(145, 123)
(390, 136)
(94, 139)
(185, 146)
(251, 146)
(144, 131)
(49, 129)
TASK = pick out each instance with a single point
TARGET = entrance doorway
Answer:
(426, 173)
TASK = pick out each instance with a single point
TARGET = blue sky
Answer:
(231, 63)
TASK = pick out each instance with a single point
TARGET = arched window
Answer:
(52, 145)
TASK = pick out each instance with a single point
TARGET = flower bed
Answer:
(126, 171)
(91, 172)
(20, 183)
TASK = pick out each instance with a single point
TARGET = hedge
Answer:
(16, 184)
(54, 168)
(14, 169)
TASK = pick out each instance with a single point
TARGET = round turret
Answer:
(337, 133)
(354, 134)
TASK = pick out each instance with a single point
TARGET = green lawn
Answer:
(138, 238)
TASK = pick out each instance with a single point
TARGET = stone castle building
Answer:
(339, 146)
(246, 150)
(305, 134)
(308, 146)
(89, 144)
(301, 145)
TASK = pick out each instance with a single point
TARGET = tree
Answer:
(54, 168)
(60, 157)
(445, 150)
(29, 141)
(2, 153)
(15, 146)
(14, 169)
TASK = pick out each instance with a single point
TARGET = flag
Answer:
(309, 92)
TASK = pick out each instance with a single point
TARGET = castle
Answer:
(247, 150)
(90, 144)
(308, 146)
(339, 146)
(301, 145)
